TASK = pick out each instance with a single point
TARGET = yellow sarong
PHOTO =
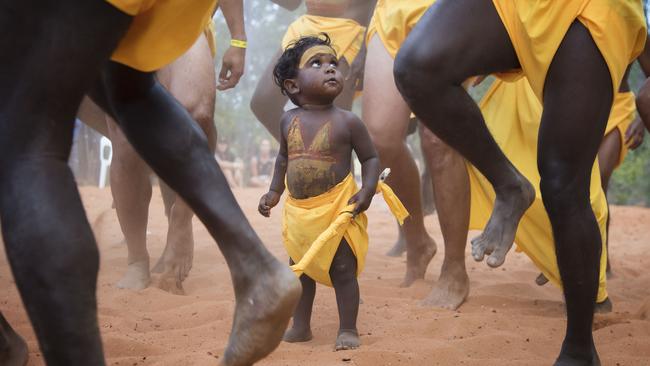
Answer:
(161, 30)
(622, 114)
(346, 34)
(393, 20)
(210, 33)
(512, 113)
(537, 27)
(312, 228)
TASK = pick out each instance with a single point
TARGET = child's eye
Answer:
(315, 63)
(334, 63)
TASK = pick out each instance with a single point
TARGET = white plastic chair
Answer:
(105, 158)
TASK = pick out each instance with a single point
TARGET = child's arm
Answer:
(272, 197)
(370, 166)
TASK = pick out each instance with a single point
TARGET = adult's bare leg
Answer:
(131, 190)
(452, 198)
(191, 80)
(387, 117)
(13, 349)
(609, 154)
(48, 240)
(569, 137)
(429, 70)
(268, 102)
(266, 291)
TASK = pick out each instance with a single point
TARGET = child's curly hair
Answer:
(287, 65)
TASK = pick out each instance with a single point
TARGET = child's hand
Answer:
(362, 200)
(267, 202)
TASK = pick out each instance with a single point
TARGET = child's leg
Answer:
(343, 273)
(300, 331)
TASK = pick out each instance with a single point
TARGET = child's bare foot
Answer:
(451, 290)
(347, 339)
(499, 234)
(137, 276)
(13, 349)
(295, 335)
(265, 301)
(418, 261)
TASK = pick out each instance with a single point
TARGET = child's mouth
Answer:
(332, 81)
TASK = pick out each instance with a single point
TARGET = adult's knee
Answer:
(420, 71)
(440, 155)
(563, 193)
(389, 148)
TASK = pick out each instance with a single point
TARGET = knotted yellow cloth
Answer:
(512, 113)
(161, 30)
(393, 20)
(345, 34)
(537, 27)
(312, 228)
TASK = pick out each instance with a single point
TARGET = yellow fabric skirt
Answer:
(210, 33)
(161, 30)
(537, 27)
(622, 114)
(346, 34)
(312, 228)
(512, 113)
(393, 20)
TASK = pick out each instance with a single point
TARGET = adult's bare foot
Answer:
(541, 280)
(604, 306)
(159, 267)
(398, 248)
(451, 290)
(418, 259)
(13, 349)
(265, 301)
(347, 339)
(566, 358)
(499, 234)
(137, 276)
(296, 335)
(177, 261)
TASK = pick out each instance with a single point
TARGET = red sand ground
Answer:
(507, 320)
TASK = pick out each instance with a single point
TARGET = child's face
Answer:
(319, 80)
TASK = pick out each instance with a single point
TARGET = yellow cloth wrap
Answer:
(622, 114)
(512, 113)
(393, 21)
(313, 51)
(161, 30)
(210, 33)
(346, 34)
(312, 228)
(537, 27)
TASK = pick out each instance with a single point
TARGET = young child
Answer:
(317, 140)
